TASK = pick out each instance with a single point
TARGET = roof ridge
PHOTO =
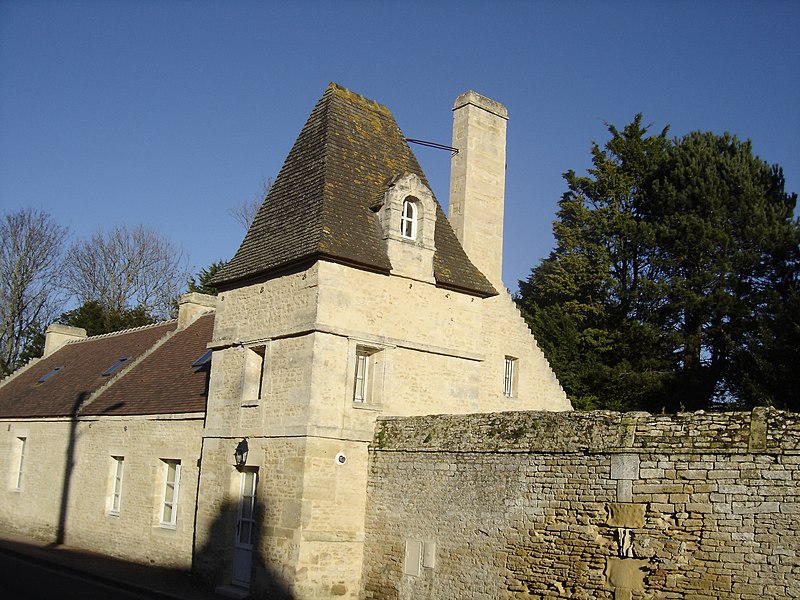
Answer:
(15, 373)
(109, 334)
(340, 90)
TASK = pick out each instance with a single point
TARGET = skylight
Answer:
(202, 361)
(49, 374)
(115, 366)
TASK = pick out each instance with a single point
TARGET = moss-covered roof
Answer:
(319, 206)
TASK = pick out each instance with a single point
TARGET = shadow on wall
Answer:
(215, 562)
(69, 465)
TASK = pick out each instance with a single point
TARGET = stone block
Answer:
(627, 515)
(624, 466)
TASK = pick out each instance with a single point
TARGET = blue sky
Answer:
(169, 113)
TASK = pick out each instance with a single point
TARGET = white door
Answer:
(245, 524)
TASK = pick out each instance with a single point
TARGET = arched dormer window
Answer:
(407, 214)
(408, 219)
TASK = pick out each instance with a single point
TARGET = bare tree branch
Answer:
(127, 268)
(247, 210)
(31, 246)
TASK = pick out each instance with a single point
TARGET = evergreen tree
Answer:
(724, 240)
(672, 279)
(199, 282)
(96, 319)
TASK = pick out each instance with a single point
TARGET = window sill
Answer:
(367, 406)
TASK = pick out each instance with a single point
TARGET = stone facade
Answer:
(68, 482)
(307, 357)
(438, 351)
(585, 505)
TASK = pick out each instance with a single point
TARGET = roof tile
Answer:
(83, 361)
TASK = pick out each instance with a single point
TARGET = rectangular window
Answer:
(253, 374)
(169, 505)
(49, 374)
(21, 461)
(413, 558)
(361, 385)
(203, 362)
(367, 367)
(509, 377)
(117, 465)
(247, 504)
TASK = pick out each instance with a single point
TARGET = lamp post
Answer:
(240, 454)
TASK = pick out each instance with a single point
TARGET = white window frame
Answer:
(117, 474)
(362, 377)
(247, 506)
(510, 368)
(408, 219)
(21, 443)
(368, 366)
(170, 503)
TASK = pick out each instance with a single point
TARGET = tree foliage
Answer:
(96, 319)
(673, 278)
(30, 274)
(199, 282)
(125, 269)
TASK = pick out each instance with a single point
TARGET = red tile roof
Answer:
(83, 362)
(164, 382)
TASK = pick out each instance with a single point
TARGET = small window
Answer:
(203, 361)
(169, 505)
(21, 461)
(246, 517)
(362, 378)
(408, 220)
(368, 373)
(49, 374)
(253, 375)
(117, 467)
(509, 377)
(413, 558)
(115, 366)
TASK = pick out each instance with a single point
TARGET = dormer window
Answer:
(408, 219)
(407, 214)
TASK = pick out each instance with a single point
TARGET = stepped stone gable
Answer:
(321, 204)
(83, 363)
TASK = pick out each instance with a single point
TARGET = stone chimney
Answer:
(478, 181)
(56, 335)
(192, 305)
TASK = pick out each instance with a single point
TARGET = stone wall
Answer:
(585, 505)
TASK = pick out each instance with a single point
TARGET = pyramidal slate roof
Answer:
(319, 206)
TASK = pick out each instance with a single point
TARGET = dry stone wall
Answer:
(585, 505)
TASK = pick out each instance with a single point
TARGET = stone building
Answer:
(236, 439)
